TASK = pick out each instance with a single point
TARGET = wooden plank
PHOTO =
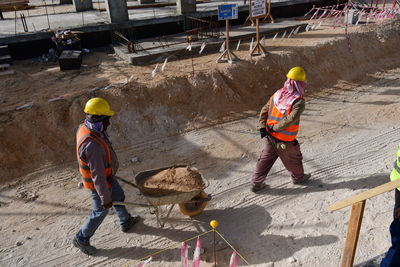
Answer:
(365, 195)
(353, 232)
(14, 2)
(4, 66)
(7, 72)
(158, 5)
(8, 5)
(13, 5)
(18, 7)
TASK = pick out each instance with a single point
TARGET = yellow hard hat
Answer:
(98, 106)
(297, 73)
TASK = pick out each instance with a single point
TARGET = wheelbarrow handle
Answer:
(116, 203)
(127, 182)
(207, 182)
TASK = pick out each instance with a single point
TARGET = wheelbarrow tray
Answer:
(169, 198)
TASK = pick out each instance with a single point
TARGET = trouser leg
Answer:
(117, 194)
(94, 220)
(265, 162)
(392, 258)
(292, 159)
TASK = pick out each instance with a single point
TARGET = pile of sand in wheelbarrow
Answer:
(172, 180)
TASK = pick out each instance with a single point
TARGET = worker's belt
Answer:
(295, 142)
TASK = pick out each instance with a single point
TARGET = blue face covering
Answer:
(95, 126)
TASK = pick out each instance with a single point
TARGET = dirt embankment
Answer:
(44, 135)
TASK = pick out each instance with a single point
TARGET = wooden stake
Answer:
(192, 66)
(47, 14)
(258, 48)
(227, 55)
(15, 15)
(249, 18)
(215, 252)
(269, 15)
(353, 232)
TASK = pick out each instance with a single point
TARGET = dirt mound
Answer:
(44, 134)
(172, 180)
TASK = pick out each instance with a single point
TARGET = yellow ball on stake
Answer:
(214, 224)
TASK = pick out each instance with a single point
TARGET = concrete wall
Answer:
(117, 11)
(83, 5)
(185, 6)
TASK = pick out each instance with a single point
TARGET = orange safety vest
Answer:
(82, 134)
(275, 116)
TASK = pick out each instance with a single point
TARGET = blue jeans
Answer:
(392, 258)
(98, 213)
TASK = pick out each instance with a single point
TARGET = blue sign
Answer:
(229, 11)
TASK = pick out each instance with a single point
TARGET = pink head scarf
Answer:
(290, 91)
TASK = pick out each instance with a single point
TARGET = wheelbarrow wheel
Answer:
(193, 209)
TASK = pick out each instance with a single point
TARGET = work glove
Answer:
(397, 213)
(107, 205)
(263, 132)
(270, 129)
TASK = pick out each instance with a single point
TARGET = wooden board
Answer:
(7, 72)
(8, 5)
(158, 5)
(4, 67)
(365, 195)
(11, 8)
(3, 2)
(353, 232)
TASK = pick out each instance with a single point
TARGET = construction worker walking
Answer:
(98, 165)
(279, 124)
(392, 258)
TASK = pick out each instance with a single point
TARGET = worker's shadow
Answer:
(172, 233)
(242, 227)
(167, 235)
(317, 185)
(245, 229)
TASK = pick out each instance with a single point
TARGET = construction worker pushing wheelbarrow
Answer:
(98, 165)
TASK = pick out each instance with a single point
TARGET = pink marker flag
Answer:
(234, 260)
(143, 263)
(184, 255)
(196, 255)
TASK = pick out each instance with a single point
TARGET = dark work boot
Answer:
(130, 223)
(85, 248)
(258, 187)
(303, 180)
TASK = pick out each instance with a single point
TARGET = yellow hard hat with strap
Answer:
(297, 73)
(98, 106)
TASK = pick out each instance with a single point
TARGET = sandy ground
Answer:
(349, 136)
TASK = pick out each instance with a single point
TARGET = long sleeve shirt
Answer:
(298, 107)
(95, 156)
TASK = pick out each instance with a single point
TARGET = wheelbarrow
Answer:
(190, 203)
